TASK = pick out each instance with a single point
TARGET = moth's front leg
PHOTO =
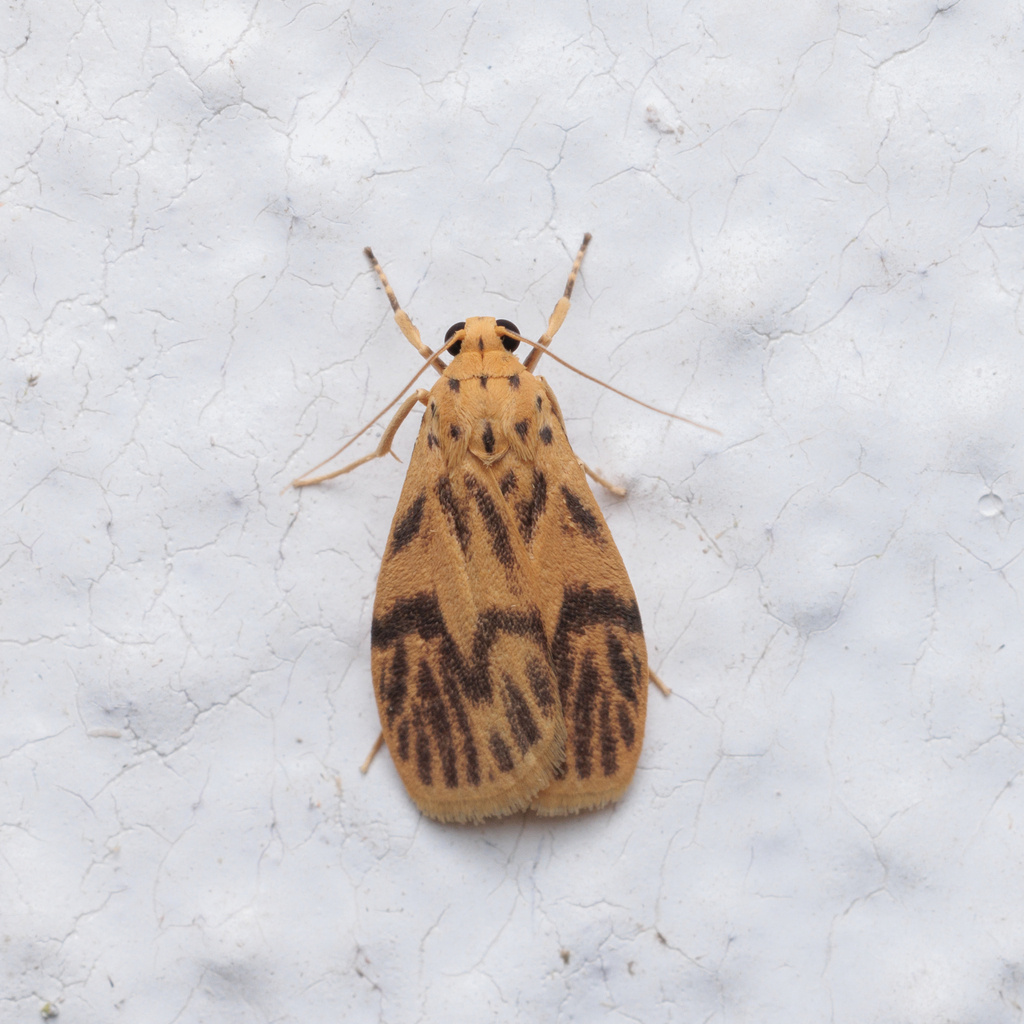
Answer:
(382, 449)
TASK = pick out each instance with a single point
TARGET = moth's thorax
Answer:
(487, 405)
(482, 352)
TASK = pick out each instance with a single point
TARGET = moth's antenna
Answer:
(405, 325)
(557, 317)
(537, 346)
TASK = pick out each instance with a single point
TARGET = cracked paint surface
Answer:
(807, 231)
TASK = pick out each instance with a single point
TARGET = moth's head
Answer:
(480, 334)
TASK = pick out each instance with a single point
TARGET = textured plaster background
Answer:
(808, 229)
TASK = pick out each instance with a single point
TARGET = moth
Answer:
(507, 649)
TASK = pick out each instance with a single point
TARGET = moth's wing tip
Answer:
(466, 810)
(563, 804)
(474, 813)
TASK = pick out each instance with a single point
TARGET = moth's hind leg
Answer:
(405, 325)
(665, 689)
(619, 492)
(382, 449)
(561, 309)
(378, 743)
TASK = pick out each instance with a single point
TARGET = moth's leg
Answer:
(381, 450)
(378, 743)
(619, 492)
(561, 308)
(653, 678)
(405, 325)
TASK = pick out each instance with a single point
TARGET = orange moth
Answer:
(507, 650)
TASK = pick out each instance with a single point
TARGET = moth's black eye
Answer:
(454, 350)
(511, 344)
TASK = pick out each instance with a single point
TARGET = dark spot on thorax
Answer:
(546, 435)
(523, 428)
(488, 438)
(513, 382)
(454, 384)
(455, 432)
(483, 380)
